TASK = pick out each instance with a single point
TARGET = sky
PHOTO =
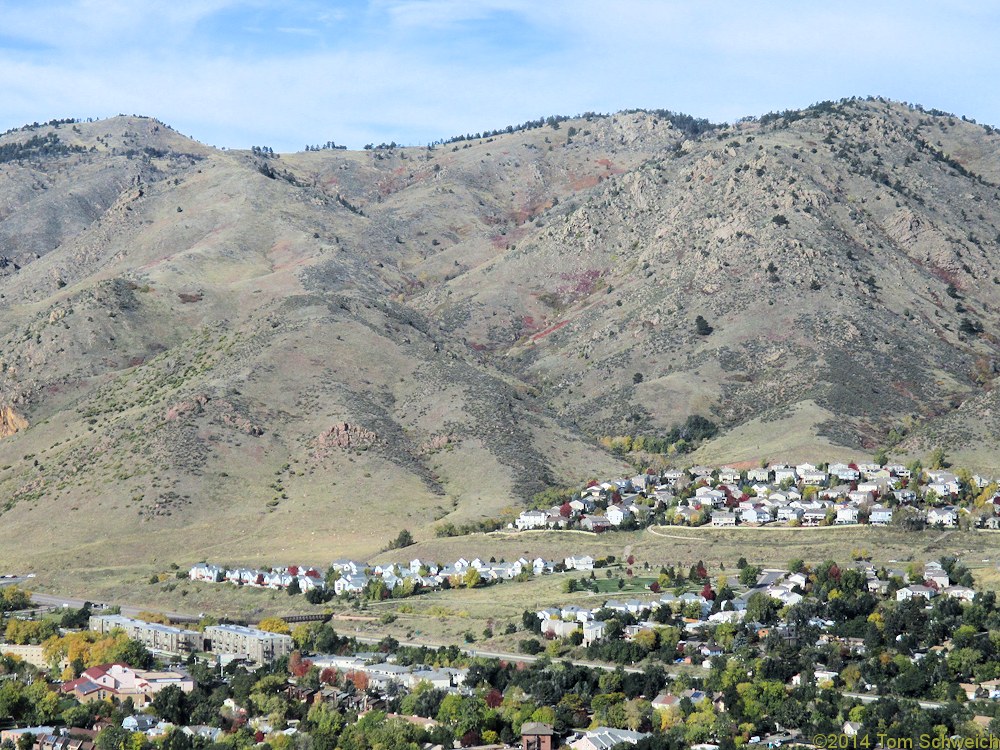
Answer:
(287, 73)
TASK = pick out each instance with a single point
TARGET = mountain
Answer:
(243, 355)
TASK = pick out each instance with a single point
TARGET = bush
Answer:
(530, 646)
(702, 327)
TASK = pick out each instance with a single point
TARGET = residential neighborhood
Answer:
(802, 495)
(751, 656)
(356, 578)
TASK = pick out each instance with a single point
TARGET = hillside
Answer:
(235, 354)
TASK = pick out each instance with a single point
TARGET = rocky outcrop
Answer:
(346, 437)
(11, 422)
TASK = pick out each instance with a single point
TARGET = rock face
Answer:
(11, 422)
(345, 436)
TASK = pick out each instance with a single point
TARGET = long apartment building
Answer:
(258, 645)
(152, 635)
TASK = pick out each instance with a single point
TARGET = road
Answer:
(51, 600)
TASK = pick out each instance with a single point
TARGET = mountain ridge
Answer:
(397, 337)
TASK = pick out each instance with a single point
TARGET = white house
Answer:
(947, 517)
(915, 590)
(532, 519)
(846, 514)
(880, 516)
(617, 515)
(723, 518)
(579, 562)
(781, 473)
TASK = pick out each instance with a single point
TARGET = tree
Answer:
(529, 646)
(637, 378)
(170, 704)
(403, 539)
(14, 598)
(702, 327)
(938, 459)
(471, 578)
(114, 738)
(294, 588)
(749, 575)
(274, 625)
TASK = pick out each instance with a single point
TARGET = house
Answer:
(755, 514)
(938, 577)
(532, 519)
(798, 579)
(119, 681)
(875, 586)
(790, 513)
(783, 473)
(595, 523)
(813, 517)
(139, 722)
(62, 742)
(846, 514)
(944, 483)
(723, 518)
(617, 514)
(593, 630)
(351, 584)
(206, 572)
(959, 592)
(879, 515)
(729, 475)
(540, 566)
(574, 612)
(579, 562)
(560, 628)
(898, 470)
(536, 736)
(814, 477)
(844, 472)
(687, 514)
(910, 592)
(860, 497)
(664, 701)
(708, 496)
(947, 516)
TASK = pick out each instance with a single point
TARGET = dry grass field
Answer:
(447, 616)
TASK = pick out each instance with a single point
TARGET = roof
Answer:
(536, 728)
(604, 738)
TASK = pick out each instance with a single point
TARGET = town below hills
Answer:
(217, 352)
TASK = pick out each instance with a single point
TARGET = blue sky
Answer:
(255, 72)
